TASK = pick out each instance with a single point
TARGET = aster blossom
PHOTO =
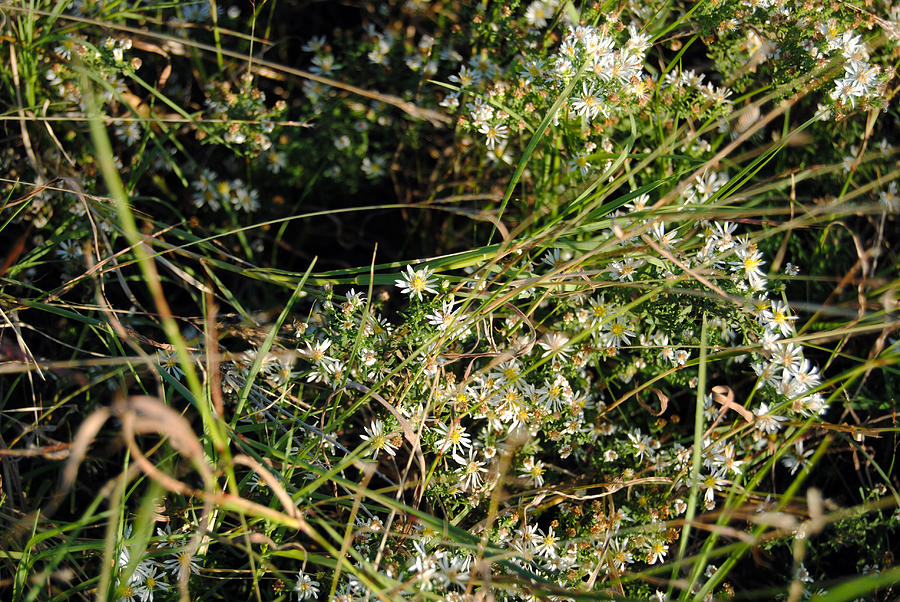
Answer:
(378, 439)
(416, 282)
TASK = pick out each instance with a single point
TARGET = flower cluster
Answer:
(149, 575)
(605, 77)
(212, 192)
(241, 116)
(538, 402)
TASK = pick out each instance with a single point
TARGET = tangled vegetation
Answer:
(449, 300)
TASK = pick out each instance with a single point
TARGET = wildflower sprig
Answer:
(244, 121)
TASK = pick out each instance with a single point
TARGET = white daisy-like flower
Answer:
(445, 318)
(780, 318)
(415, 282)
(555, 343)
(181, 563)
(532, 471)
(538, 13)
(494, 134)
(305, 587)
(152, 583)
(589, 104)
(316, 352)
(452, 438)
(547, 543)
(378, 438)
(889, 199)
(471, 470)
(766, 421)
(657, 552)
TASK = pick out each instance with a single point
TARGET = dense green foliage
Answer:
(449, 300)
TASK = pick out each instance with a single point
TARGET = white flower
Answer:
(638, 43)
(367, 357)
(794, 462)
(316, 352)
(751, 262)
(581, 163)
(423, 564)
(374, 167)
(659, 596)
(864, 75)
(533, 471)
(619, 553)
(305, 587)
(779, 318)
(445, 318)
(537, 14)
(589, 103)
(625, 270)
(465, 77)
(546, 544)
(766, 421)
(494, 134)
(324, 65)
(314, 44)
(657, 552)
(415, 282)
(889, 199)
(803, 575)
(791, 270)
(452, 438)
(180, 563)
(555, 343)
(806, 374)
(151, 583)
(617, 333)
(641, 443)
(846, 91)
(665, 239)
(531, 69)
(471, 470)
(787, 355)
(379, 55)
(379, 440)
